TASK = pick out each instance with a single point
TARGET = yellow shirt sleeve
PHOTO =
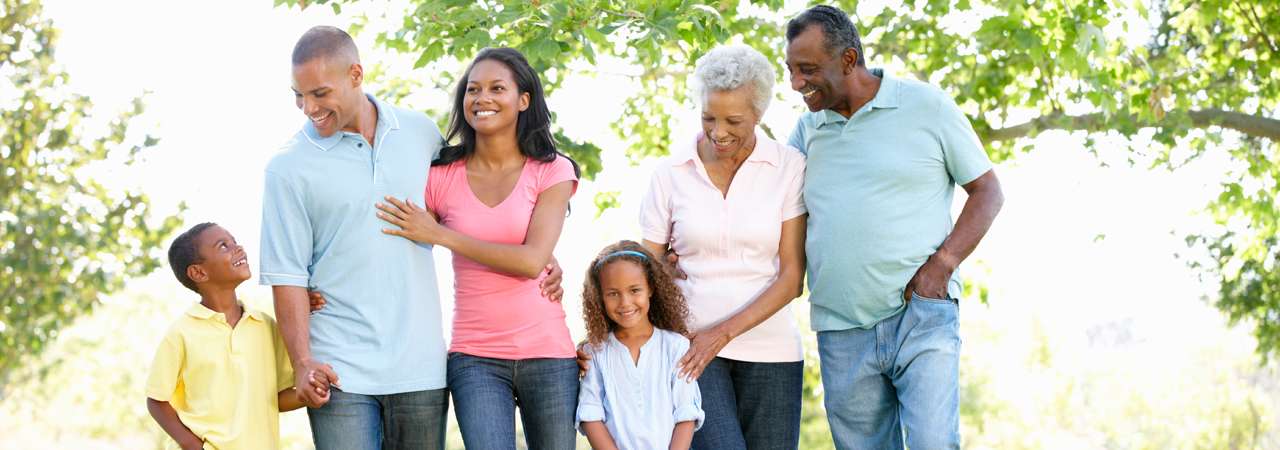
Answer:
(166, 368)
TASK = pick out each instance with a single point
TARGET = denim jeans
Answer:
(750, 405)
(902, 373)
(486, 392)
(410, 420)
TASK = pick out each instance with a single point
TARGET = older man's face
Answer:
(816, 74)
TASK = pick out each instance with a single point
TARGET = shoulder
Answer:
(413, 120)
(288, 157)
(675, 342)
(922, 97)
(788, 156)
(560, 164)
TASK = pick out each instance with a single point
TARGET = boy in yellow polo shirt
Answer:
(221, 376)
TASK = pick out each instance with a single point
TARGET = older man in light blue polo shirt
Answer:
(884, 156)
(378, 340)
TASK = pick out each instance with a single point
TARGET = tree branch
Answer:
(1248, 124)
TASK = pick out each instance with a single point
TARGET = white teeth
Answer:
(485, 113)
(317, 119)
(808, 94)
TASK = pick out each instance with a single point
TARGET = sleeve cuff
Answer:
(283, 279)
(690, 412)
(794, 213)
(589, 413)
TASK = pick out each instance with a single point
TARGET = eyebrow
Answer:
(312, 92)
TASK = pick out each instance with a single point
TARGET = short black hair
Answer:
(839, 31)
(325, 41)
(183, 253)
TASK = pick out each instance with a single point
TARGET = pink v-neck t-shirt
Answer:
(496, 315)
(728, 245)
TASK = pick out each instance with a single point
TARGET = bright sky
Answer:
(1082, 249)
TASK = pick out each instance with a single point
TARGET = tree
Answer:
(65, 239)
(1207, 79)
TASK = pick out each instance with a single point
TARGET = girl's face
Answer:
(626, 294)
(492, 102)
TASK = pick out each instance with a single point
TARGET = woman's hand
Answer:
(703, 347)
(416, 223)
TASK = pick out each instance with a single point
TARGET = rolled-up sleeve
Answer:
(686, 397)
(591, 394)
(655, 209)
(286, 234)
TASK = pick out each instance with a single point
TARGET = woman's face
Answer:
(729, 121)
(492, 102)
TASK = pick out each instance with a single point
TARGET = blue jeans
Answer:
(902, 373)
(410, 420)
(486, 392)
(750, 405)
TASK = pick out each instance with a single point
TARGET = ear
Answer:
(849, 59)
(356, 72)
(197, 273)
(524, 101)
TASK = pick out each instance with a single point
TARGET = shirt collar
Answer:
(387, 120)
(766, 151)
(886, 97)
(199, 311)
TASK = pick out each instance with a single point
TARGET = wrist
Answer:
(947, 259)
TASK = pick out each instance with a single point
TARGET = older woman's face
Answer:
(729, 120)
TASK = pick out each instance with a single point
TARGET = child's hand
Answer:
(416, 223)
(317, 300)
(312, 380)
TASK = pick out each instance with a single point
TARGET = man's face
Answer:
(327, 92)
(815, 73)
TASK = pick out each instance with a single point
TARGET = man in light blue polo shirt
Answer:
(378, 340)
(884, 156)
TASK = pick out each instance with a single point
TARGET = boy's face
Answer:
(222, 260)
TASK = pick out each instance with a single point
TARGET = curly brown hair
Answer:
(667, 307)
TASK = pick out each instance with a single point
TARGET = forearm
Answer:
(293, 315)
(979, 212)
(287, 400)
(167, 418)
(598, 436)
(525, 260)
(782, 291)
(682, 436)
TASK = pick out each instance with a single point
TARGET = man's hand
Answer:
(673, 266)
(312, 380)
(551, 283)
(931, 278)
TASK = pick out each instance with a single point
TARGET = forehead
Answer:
(728, 103)
(809, 44)
(620, 271)
(488, 71)
(213, 235)
(316, 73)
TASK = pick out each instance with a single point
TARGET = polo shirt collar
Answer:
(387, 120)
(766, 151)
(199, 311)
(886, 97)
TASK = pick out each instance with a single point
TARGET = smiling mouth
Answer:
(485, 113)
(320, 119)
(809, 93)
(240, 262)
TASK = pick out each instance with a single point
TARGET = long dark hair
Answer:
(533, 125)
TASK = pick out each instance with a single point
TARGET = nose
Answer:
(797, 82)
(309, 107)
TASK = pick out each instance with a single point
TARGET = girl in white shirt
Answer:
(632, 396)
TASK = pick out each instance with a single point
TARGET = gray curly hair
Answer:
(729, 67)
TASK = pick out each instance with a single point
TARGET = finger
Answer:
(394, 232)
(392, 219)
(389, 209)
(333, 376)
(398, 204)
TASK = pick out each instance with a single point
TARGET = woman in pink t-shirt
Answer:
(500, 196)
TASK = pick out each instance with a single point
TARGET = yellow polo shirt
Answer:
(222, 381)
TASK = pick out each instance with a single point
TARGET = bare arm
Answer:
(980, 209)
(705, 344)
(167, 417)
(598, 436)
(293, 315)
(682, 436)
(288, 400)
(528, 259)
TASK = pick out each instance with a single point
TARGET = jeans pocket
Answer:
(948, 301)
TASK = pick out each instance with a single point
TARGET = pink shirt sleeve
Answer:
(556, 172)
(655, 209)
(793, 176)
(436, 180)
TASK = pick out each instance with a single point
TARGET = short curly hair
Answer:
(730, 67)
(667, 307)
(183, 253)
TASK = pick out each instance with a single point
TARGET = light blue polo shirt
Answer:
(878, 187)
(380, 328)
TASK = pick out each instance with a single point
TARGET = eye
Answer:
(471, 90)
(635, 290)
(499, 88)
(735, 122)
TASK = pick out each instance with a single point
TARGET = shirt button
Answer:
(360, 144)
